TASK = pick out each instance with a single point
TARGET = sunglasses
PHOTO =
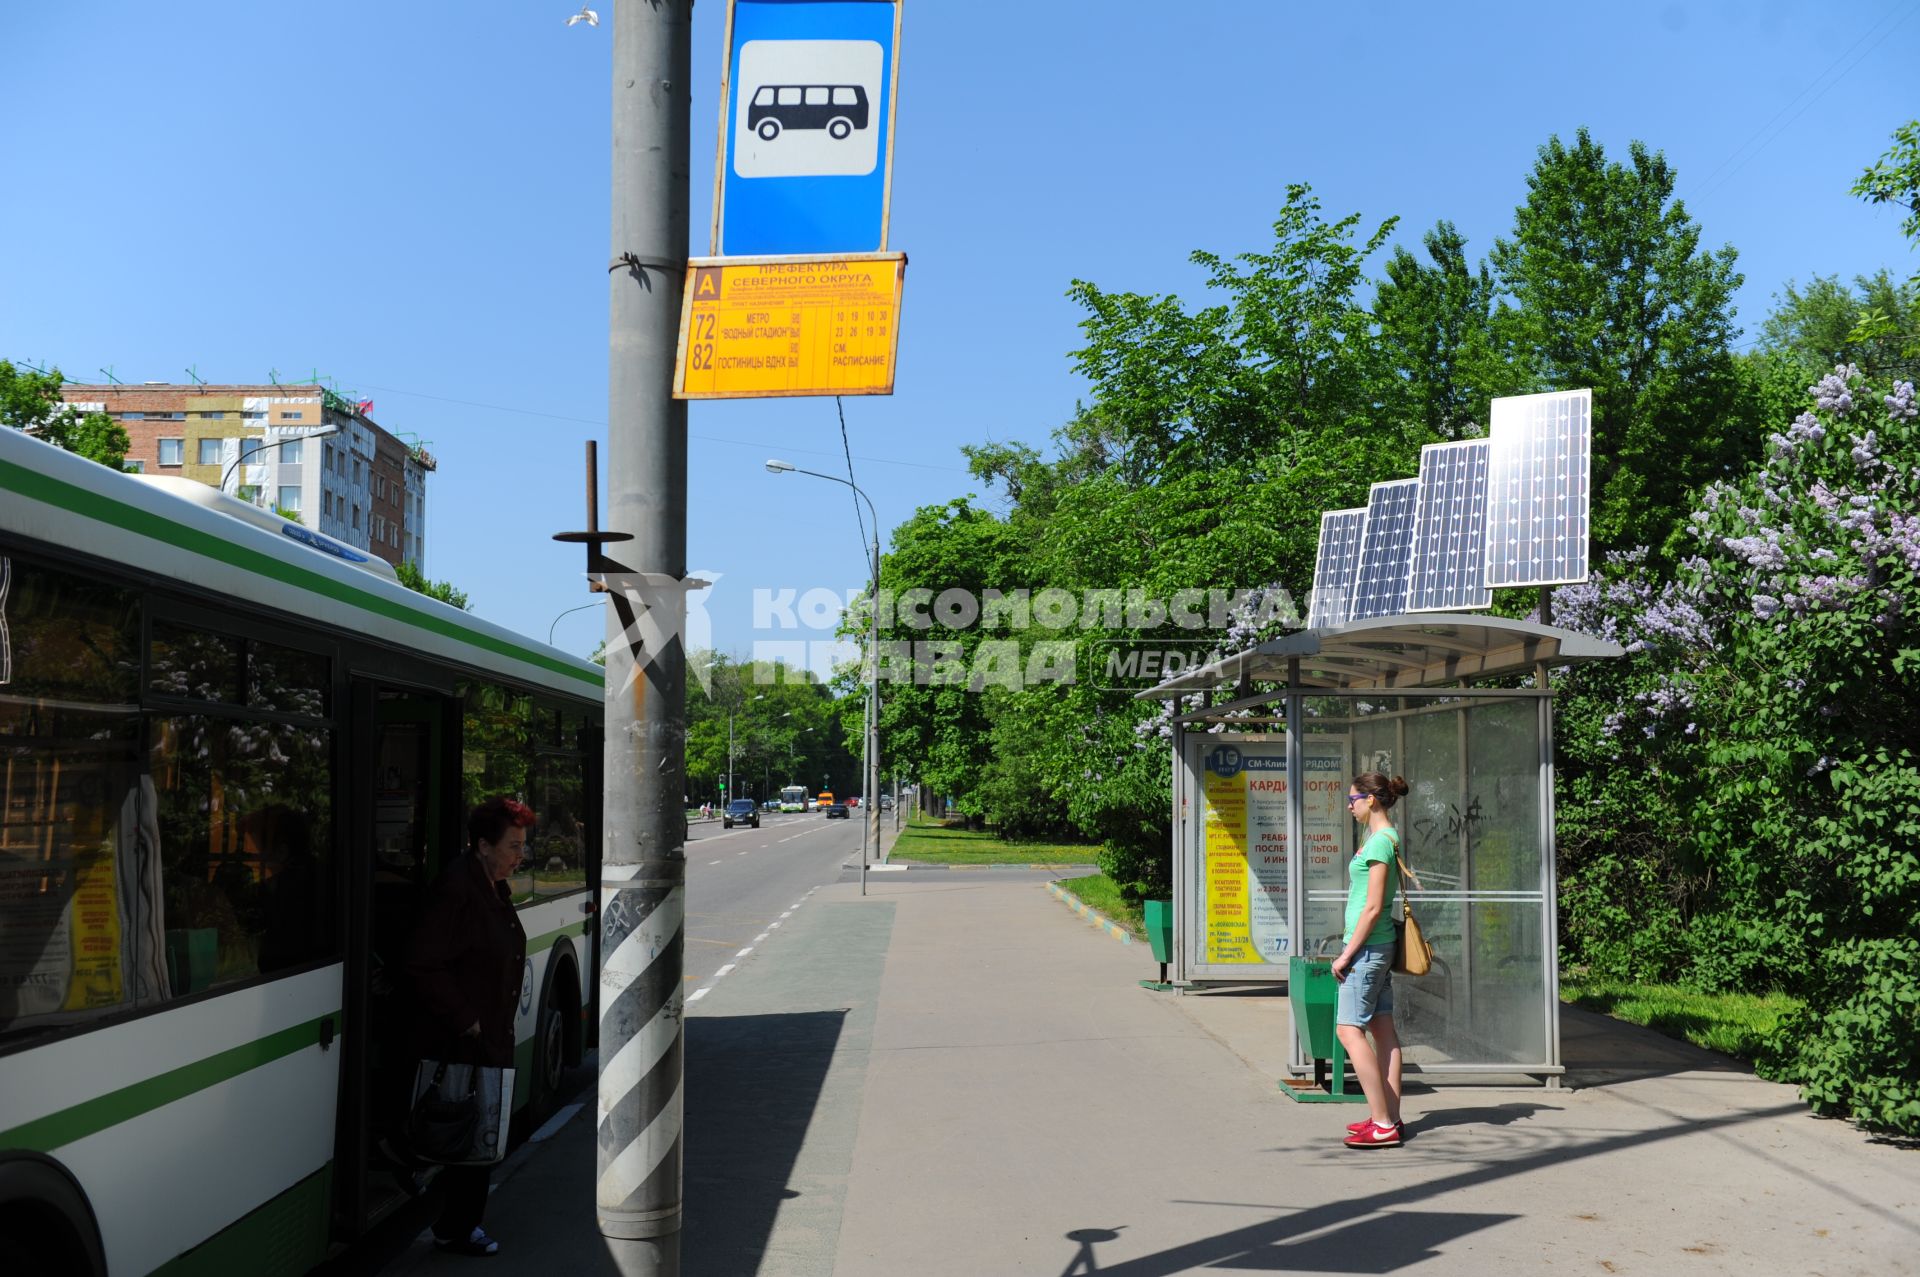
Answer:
(1354, 798)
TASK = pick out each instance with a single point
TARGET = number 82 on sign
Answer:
(768, 327)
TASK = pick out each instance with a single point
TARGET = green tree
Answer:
(1870, 325)
(1440, 353)
(30, 401)
(1609, 288)
(1285, 354)
(414, 579)
(1895, 179)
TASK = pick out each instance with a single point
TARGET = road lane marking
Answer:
(554, 1123)
(762, 936)
(723, 970)
(696, 995)
(744, 952)
(713, 862)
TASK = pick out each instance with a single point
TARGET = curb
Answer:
(1091, 914)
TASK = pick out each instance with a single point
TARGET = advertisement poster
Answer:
(1245, 855)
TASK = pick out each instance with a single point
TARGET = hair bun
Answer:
(1397, 787)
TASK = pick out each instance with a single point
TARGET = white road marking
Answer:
(744, 952)
(554, 1123)
(696, 995)
(762, 936)
(772, 926)
(713, 862)
(723, 970)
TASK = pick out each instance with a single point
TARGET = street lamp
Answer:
(280, 443)
(870, 735)
(758, 696)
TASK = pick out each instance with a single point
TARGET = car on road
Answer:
(839, 808)
(886, 802)
(740, 811)
(772, 804)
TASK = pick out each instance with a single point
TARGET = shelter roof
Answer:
(1428, 649)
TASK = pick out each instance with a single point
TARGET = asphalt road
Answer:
(742, 880)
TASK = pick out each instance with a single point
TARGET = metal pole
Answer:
(873, 724)
(728, 796)
(866, 741)
(637, 1191)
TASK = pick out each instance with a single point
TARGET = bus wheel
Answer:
(768, 130)
(550, 1038)
(839, 128)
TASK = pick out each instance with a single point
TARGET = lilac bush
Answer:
(1766, 718)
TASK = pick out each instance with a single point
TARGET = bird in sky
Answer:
(585, 15)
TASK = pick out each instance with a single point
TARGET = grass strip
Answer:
(1097, 891)
(1736, 1024)
(931, 843)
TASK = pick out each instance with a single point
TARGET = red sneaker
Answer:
(1375, 1137)
(1354, 1128)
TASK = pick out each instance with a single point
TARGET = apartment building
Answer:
(306, 450)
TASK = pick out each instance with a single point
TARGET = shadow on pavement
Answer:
(753, 1082)
(1370, 1235)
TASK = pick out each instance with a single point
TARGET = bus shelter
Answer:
(1264, 745)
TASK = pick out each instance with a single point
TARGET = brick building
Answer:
(305, 449)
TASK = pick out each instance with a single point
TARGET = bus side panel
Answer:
(196, 1116)
(543, 923)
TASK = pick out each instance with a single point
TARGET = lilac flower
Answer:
(1865, 451)
(1834, 392)
(1764, 606)
(1900, 404)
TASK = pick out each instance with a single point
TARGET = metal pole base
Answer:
(648, 1257)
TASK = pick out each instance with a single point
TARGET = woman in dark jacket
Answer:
(465, 966)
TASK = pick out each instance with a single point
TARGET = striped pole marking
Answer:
(640, 1098)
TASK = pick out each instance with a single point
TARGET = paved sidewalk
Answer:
(961, 1077)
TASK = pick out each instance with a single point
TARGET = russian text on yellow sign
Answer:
(758, 328)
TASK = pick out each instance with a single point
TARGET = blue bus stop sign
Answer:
(806, 138)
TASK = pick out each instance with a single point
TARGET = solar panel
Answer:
(1380, 586)
(1334, 567)
(1448, 570)
(1538, 477)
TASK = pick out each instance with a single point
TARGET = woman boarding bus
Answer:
(234, 754)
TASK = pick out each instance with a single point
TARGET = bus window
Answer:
(557, 844)
(817, 96)
(789, 97)
(245, 853)
(843, 96)
(70, 940)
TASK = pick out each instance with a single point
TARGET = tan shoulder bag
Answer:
(1412, 955)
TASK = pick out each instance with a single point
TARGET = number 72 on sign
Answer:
(766, 327)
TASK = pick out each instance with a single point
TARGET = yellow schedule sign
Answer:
(760, 328)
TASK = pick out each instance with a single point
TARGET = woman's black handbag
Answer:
(460, 1112)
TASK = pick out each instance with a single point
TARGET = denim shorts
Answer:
(1368, 989)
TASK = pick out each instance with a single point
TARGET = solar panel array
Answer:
(1335, 566)
(1508, 510)
(1380, 586)
(1447, 569)
(1538, 488)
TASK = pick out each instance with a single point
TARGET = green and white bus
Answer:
(793, 798)
(233, 755)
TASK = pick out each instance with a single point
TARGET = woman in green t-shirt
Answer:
(1366, 988)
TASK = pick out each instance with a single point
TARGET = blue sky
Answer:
(413, 199)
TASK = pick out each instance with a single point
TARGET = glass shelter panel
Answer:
(1326, 765)
(1484, 1001)
(1502, 811)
